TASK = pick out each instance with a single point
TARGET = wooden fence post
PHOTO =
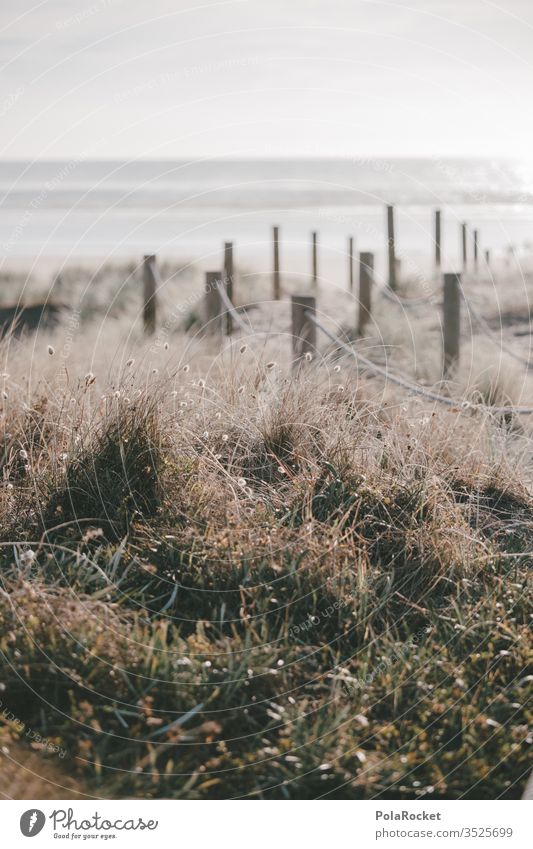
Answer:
(228, 281)
(398, 269)
(212, 302)
(452, 321)
(315, 258)
(366, 276)
(476, 248)
(303, 330)
(276, 281)
(391, 247)
(463, 238)
(437, 238)
(350, 263)
(150, 294)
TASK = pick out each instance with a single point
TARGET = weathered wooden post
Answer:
(150, 294)
(452, 321)
(314, 237)
(463, 237)
(398, 269)
(212, 302)
(303, 329)
(276, 280)
(350, 263)
(228, 281)
(476, 248)
(366, 276)
(391, 247)
(437, 238)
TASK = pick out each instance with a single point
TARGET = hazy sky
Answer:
(171, 78)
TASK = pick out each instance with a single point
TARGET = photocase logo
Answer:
(32, 822)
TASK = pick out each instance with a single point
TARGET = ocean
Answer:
(81, 209)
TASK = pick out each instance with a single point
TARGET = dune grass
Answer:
(222, 579)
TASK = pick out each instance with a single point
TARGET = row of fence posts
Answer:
(303, 308)
(304, 331)
(393, 262)
(150, 285)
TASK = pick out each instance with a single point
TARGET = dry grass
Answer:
(220, 579)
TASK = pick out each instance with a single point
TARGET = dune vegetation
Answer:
(224, 578)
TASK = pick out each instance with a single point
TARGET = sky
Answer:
(117, 79)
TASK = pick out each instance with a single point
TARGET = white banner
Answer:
(264, 825)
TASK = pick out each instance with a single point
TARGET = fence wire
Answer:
(413, 388)
(386, 292)
(231, 309)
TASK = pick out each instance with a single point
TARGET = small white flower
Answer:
(337, 369)
(206, 434)
(241, 482)
(23, 453)
(225, 437)
(308, 356)
(27, 557)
